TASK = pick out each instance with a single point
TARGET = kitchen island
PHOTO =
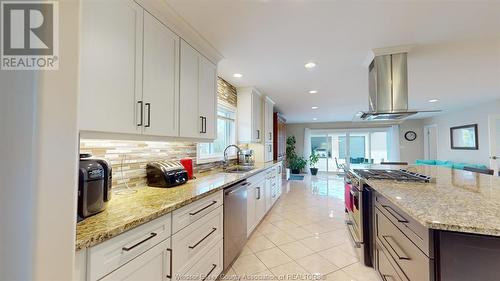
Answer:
(445, 229)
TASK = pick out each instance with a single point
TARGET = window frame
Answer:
(218, 157)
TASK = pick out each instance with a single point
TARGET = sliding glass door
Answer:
(340, 147)
(321, 145)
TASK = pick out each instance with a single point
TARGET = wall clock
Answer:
(410, 136)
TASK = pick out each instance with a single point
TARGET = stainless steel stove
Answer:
(397, 175)
(358, 204)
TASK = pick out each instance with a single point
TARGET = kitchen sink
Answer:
(239, 169)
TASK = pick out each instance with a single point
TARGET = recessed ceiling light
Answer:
(237, 75)
(314, 119)
(433, 100)
(314, 107)
(313, 92)
(310, 65)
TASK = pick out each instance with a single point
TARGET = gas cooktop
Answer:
(397, 175)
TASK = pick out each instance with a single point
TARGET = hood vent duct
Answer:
(388, 88)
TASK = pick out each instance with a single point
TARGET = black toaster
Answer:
(166, 174)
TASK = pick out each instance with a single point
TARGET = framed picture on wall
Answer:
(464, 137)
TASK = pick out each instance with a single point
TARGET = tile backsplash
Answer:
(129, 158)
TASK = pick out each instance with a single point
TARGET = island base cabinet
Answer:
(153, 265)
(385, 268)
(466, 257)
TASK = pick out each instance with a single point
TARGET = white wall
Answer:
(477, 114)
(411, 150)
(38, 175)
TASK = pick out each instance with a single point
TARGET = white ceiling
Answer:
(456, 58)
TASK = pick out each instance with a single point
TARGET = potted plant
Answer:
(313, 160)
(297, 163)
(290, 153)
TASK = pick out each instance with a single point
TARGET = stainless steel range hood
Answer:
(388, 88)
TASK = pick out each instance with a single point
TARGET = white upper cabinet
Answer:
(207, 102)
(249, 116)
(111, 62)
(190, 121)
(198, 94)
(268, 120)
(160, 79)
(138, 77)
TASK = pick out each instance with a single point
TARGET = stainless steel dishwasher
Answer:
(235, 221)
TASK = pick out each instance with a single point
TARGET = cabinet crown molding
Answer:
(173, 20)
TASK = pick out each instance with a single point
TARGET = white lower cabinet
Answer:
(193, 242)
(208, 267)
(251, 199)
(193, 248)
(153, 265)
(261, 196)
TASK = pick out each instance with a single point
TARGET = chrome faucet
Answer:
(226, 159)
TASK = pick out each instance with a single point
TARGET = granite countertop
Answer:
(458, 200)
(126, 211)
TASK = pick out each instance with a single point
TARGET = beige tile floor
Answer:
(303, 237)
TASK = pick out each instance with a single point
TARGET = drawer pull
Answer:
(395, 214)
(204, 208)
(153, 234)
(210, 272)
(202, 239)
(399, 252)
(169, 276)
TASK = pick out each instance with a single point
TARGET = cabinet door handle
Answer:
(207, 206)
(203, 239)
(258, 134)
(205, 125)
(395, 214)
(140, 103)
(258, 193)
(149, 115)
(153, 234)
(201, 118)
(395, 247)
(210, 272)
(270, 136)
(169, 276)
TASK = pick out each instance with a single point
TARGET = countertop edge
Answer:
(104, 236)
(437, 225)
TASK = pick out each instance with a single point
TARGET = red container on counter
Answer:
(188, 165)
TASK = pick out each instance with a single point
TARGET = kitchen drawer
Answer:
(385, 267)
(209, 267)
(412, 261)
(115, 252)
(417, 233)
(193, 242)
(196, 210)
